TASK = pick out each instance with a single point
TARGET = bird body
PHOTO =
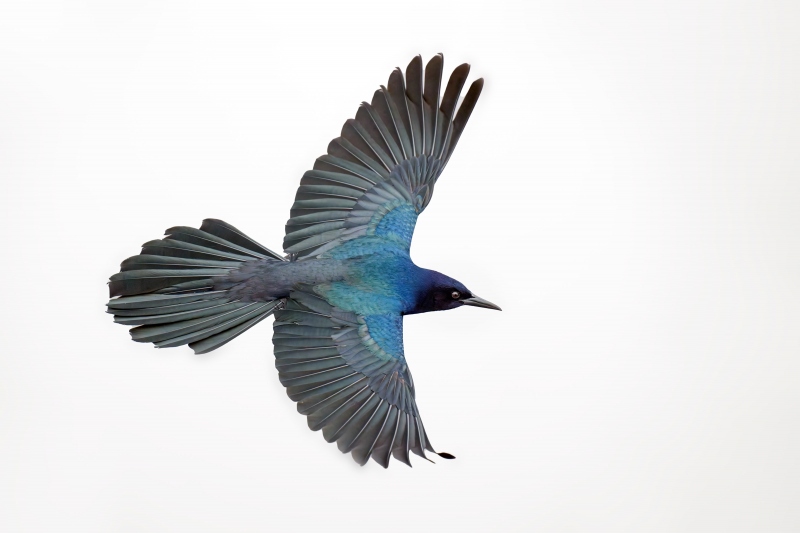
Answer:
(340, 293)
(367, 277)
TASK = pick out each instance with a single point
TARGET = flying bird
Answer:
(340, 291)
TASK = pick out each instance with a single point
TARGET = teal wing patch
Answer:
(349, 376)
(380, 173)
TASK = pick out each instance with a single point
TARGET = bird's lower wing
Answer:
(345, 373)
(388, 157)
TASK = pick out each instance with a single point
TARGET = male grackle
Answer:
(340, 293)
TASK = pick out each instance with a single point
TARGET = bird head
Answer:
(440, 293)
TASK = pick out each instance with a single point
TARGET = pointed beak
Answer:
(480, 302)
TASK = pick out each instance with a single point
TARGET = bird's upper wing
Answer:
(348, 374)
(389, 156)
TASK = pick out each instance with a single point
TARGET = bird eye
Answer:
(456, 295)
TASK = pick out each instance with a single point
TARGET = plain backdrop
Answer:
(628, 190)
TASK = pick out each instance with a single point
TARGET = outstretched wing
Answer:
(348, 374)
(389, 156)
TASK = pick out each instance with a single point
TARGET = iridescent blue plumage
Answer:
(340, 294)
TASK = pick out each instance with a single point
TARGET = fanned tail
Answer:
(167, 291)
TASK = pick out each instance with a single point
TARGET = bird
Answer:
(340, 291)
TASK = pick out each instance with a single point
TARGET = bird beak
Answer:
(480, 302)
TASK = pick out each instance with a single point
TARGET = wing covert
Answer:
(349, 376)
(389, 156)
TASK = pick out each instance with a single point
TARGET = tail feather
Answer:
(229, 233)
(251, 314)
(209, 240)
(138, 262)
(157, 301)
(168, 309)
(163, 333)
(213, 342)
(162, 315)
(188, 287)
(175, 248)
(141, 281)
(168, 293)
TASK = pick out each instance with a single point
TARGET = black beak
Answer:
(480, 302)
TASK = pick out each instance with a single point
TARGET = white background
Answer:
(627, 190)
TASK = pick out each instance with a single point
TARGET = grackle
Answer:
(340, 292)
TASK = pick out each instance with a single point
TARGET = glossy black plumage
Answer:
(340, 293)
